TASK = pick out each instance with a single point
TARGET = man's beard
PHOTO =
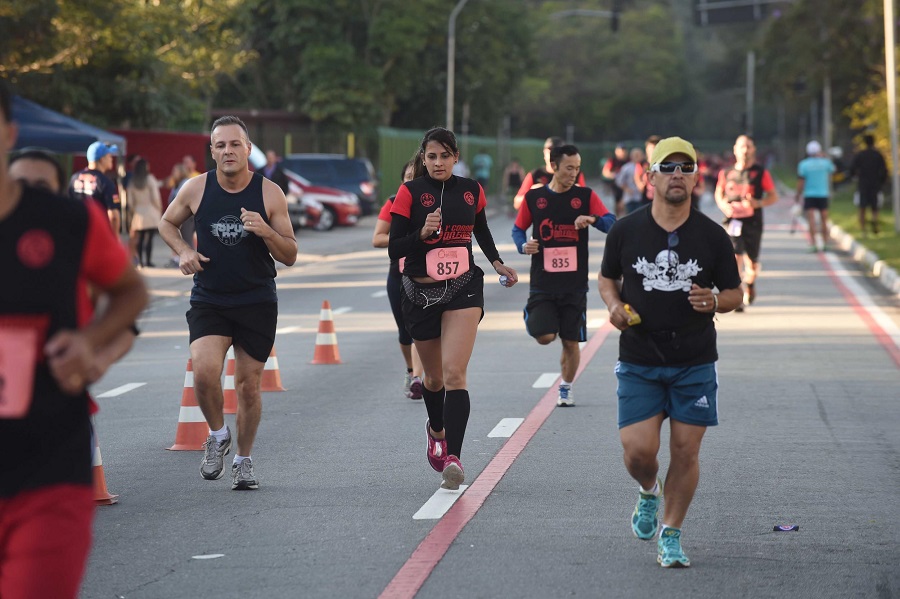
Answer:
(677, 200)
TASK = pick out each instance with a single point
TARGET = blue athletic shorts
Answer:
(687, 394)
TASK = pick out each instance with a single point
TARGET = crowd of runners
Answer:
(666, 271)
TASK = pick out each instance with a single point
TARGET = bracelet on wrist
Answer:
(715, 302)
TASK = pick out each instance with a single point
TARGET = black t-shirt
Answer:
(656, 281)
(552, 219)
(240, 270)
(92, 184)
(462, 204)
(869, 166)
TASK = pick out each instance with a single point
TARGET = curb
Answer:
(874, 265)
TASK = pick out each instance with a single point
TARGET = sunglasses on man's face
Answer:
(687, 168)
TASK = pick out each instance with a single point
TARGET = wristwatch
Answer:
(596, 217)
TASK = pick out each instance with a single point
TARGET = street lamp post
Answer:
(891, 89)
(451, 59)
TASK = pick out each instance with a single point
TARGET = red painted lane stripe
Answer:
(879, 333)
(410, 578)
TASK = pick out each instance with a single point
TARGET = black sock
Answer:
(434, 403)
(456, 414)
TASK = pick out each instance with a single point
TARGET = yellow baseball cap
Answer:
(672, 145)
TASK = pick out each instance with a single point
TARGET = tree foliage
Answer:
(816, 39)
(126, 62)
(600, 80)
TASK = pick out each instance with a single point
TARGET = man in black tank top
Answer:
(242, 224)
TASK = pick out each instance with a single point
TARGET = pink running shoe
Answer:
(437, 449)
(415, 388)
(453, 474)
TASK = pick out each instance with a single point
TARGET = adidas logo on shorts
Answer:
(701, 403)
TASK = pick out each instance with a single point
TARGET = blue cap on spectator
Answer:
(98, 150)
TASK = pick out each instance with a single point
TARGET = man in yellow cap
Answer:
(660, 266)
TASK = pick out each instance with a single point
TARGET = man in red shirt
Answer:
(50, 247)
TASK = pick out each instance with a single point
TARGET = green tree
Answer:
(598, 80)
(818, 39)
(124, 62)
(379, 62)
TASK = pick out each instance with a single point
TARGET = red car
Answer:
(320, 207)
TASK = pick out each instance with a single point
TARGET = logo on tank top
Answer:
(541, 203)
(229, 230)
(427, 200)
(469, 198)
(35, 248)
(576, 203)
(667, 273)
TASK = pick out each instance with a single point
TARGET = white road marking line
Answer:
(342, 310)
(545, 381)
(287, 330)
(581, 344)
(208, 556)
(506, 427)
(381, 293)
(865, 300)
(120, 390)
(440, 502)
(596, 323)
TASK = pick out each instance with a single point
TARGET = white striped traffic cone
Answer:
(326, 340)
(102, 496)
(271, 376)
(228, 390)
(192, 428)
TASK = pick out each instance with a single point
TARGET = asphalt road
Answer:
(809, 414)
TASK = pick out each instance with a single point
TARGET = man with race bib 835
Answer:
(559, 214)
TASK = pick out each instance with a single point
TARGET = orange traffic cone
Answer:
(271, 376)
(326, 340)
(102, 496)
(228, 389)
(192, 429)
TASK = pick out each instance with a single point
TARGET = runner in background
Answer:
(610, 170)
(559, 214)
(742, 192)
(412, 382)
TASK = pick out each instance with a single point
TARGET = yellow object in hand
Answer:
(633, 318)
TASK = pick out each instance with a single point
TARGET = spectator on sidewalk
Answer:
(146, 204)
(93, 184)
(870, 170)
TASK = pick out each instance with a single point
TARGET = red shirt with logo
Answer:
(553, 216)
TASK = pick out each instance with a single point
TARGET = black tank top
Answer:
(240, 270)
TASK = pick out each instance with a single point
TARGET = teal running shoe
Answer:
(645, 520)
(668, 547)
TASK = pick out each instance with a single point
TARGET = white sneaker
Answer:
(566, 396)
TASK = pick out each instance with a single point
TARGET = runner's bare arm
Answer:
(279, 233)
(181, 208)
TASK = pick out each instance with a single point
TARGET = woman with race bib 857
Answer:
(433, 219)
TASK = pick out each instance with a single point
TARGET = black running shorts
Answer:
(563, 314)
(749, 241)
(424, 323)
(815, 203)
(250, 327)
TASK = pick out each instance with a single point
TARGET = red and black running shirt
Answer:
(462, 205)
(50, 248)
(553, 216)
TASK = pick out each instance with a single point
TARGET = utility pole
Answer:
(891, 89)
(451, 59)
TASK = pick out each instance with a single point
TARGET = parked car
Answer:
(354, 175)
(319, 207)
